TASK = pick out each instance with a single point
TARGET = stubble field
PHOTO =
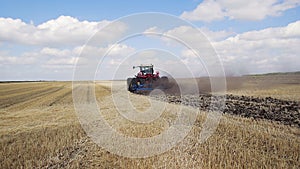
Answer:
(40, 129)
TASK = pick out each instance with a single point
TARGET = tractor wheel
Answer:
(128, 83)
(132, 84)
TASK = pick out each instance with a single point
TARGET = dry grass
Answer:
(40, 129)
(285, 92)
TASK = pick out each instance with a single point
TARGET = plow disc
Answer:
(140, 85)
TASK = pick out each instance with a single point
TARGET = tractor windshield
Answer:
(147, 69)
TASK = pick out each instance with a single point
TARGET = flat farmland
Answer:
(40, 129)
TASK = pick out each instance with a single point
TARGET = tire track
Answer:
(19, 98)
(29, 100)
(88, 100)
(23, 91)
(17, 91)
(84, 92)
(63, 98)
(60, 98)
(12, 86)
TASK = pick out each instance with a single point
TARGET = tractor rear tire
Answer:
(128, 83)
(131, 82)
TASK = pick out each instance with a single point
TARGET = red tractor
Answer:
(146, 80)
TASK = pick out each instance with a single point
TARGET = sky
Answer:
(44, 40)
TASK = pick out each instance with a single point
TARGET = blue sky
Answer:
(41, 11)
(94, 10)
(229, 26)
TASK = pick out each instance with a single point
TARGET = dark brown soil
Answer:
(285, 112)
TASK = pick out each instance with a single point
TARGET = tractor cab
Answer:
(146, 71)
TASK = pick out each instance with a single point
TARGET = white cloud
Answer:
(53, 47)
(216, 35)
(70, 56)
(189, 33)
(55, 52)
(119, 50)
(292, 30)
(154, 30)
(63, 31)
(188, 53)
(26, 58)
(54, 62)
(195, 39)
(267, 50)
(210, 10)
(62, 61)
(59, 58)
